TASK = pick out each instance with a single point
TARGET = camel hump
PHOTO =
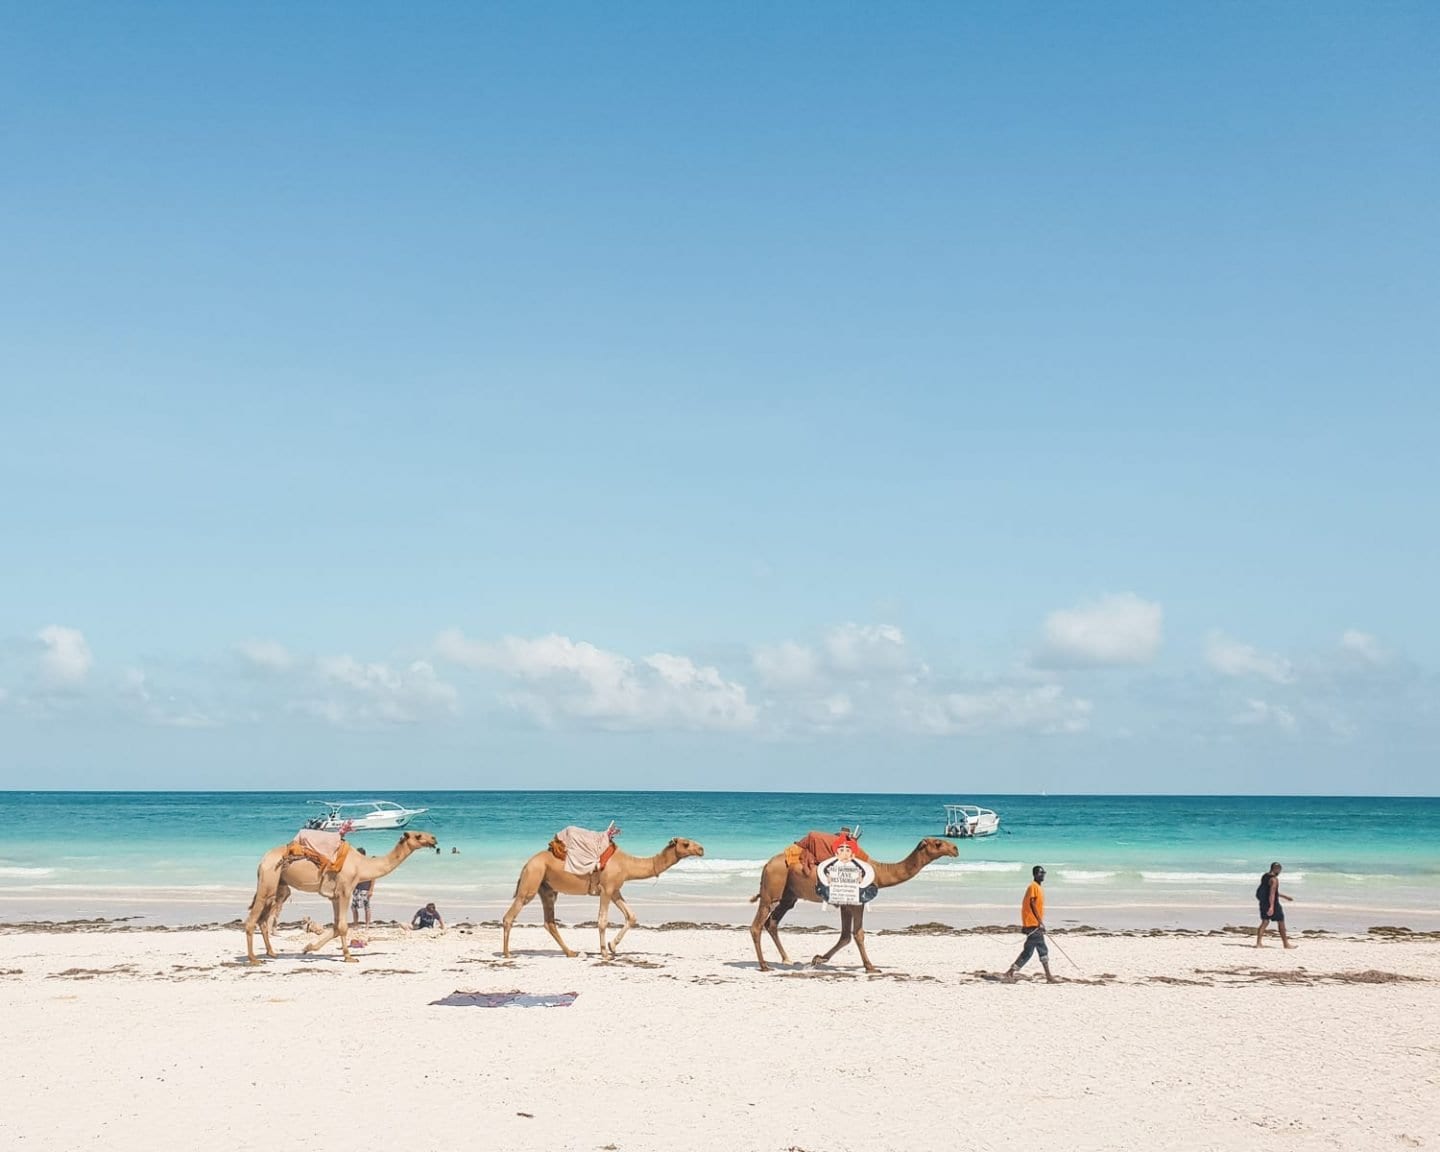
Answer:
(328, 857)
(814, 847)
(585, 850)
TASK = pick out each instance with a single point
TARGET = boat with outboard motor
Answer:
(361, 815)
(962, 821)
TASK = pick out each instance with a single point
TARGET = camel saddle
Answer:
(326, 850)
(582, 849)
(814, 847)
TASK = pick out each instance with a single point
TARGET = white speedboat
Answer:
(361, 815)
(963, 821)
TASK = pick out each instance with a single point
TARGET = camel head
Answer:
(932, 848)
(684, 848)
(417, 840)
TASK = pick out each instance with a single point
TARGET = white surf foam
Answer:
(1214, 877)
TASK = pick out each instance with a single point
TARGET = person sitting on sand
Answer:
(1269, 895)
(427, 917)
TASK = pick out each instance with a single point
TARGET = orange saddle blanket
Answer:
(326, 850)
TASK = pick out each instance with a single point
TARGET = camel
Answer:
(782, 887)
(544, 873)
(277, 875)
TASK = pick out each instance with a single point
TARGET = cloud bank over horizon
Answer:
(851, 681)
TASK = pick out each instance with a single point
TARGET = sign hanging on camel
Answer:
(845, 880)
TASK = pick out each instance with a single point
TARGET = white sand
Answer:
(136, 1040)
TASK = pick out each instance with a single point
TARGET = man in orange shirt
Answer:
(1032, 919)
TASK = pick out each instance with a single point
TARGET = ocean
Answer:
(1123, 862)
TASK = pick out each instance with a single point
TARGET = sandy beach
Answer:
(133, 1038)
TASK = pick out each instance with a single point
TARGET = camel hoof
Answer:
(817, 962)
(254, 963)
(352, 959)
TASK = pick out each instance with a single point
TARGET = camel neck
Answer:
(888, 875)
(373, 867)
(646, 867)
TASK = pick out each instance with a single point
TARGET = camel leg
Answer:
(547, 901)
(860, 938)
(516, 907)
(630, 921)
(847, 917)
(767, 919)
(267, 885)
(269, 922)
(267, 925)
(321, 940)
(756, 927)
(602, 920)
(772, 924)
(252, 918)
(342, 924)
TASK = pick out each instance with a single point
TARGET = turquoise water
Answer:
(1114, 861)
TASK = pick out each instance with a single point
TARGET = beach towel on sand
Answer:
(814, 847)
(517, 999)
(582, 849)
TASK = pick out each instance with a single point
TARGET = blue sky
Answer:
(958, 398)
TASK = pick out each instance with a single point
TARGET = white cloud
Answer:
(1122, 629)
(1233, 658)
(166, 710)
(786, 665)
(578, 680)
(66, 658)
(847, 652)
(859, 648)
(1041, 709)
(349, 693)
(1363, 646)
(1259, 712)
(266, 654)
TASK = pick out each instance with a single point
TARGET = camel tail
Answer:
(753, 898)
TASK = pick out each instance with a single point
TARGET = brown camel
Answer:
(782, 887)
(544, 873)
(277, 875)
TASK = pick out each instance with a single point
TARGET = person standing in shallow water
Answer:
(1032, 919)
(1269, 895)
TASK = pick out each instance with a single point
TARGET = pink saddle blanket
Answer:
(584, 848)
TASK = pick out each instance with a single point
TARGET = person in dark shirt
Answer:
(427, 917)
(1269, 895)
(360, 898)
